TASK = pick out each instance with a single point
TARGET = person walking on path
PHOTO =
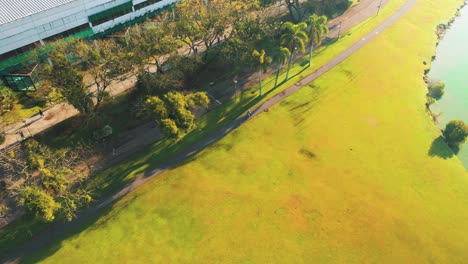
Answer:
(41, 113)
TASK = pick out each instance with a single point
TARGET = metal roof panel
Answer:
(11, 10)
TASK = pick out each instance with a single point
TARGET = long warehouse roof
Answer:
(11, 10)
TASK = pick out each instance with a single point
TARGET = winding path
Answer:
(60, 230)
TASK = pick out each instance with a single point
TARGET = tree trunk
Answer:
(277, 75)
(289, 67)
(260, 80)
(311, 50)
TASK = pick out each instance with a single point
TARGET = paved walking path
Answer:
(59, 230)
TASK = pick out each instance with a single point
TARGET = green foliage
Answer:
(149, 42)
(175, 106)
(7, 100)
(330, 8)
(234, 54)
(38, 203)
(261, 59)
(156, 107)
(35, 154)
(2, 137)
(436, 89)
(3, 210)
(169, 127)
(66, 77)
(55, 180)
(317, 28)
(53, 194)
(186, 68)
(455, 133)
(296, 9)
(294, 36)
(198, 99)
(261, 62)
(103, 132)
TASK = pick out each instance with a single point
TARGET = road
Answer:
(59, 230)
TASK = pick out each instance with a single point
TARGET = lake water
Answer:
(451, 67)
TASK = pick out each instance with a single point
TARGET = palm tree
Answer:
(281, 55)
(261, 61)
(317, 27)
(294, 38)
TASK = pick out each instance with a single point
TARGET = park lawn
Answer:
(147, 158)
(19, 113)
(346, 170)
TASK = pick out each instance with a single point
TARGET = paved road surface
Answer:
(59, 230)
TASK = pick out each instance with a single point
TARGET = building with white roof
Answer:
(26, 24)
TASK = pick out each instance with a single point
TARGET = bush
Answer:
(102, 133)
(169, 127)
(38, 203)
(455, 133)
(7, 100)
(344, 5)
(436, 89)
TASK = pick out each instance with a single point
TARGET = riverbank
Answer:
(450, 67)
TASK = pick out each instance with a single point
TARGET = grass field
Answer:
(346, 170)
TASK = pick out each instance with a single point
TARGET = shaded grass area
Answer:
(147, 158)
(229, 111)
(118, 113)
(24, 107)
(339, 172)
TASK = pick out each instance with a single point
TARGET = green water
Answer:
(451, 66)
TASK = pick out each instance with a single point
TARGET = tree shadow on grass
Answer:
(439, 148)
(51, 237)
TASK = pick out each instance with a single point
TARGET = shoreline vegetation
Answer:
(433, 95)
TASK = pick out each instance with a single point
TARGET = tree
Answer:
(436, 89)
(281, 55)
(150, 42)
(106, 62)
(6, 100)
(38, 203)
(177, 105)
(261, 63)
(169, 127)
(157, 108)
(294, 37)
(327, 7)
(53, 194)
(296, 10)
(3, 211)
(206, 22)
(198, 99)
(173, 111)
(317, 28)
(455, 133)
(2, 137)
(188, 32)
(69, 80)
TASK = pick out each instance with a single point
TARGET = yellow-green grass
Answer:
(230, 110)
(343, 171)
(19, 112)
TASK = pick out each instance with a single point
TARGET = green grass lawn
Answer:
(346, 170)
